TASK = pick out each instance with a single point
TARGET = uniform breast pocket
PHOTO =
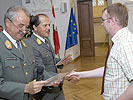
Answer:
(45, 55)
(12, 69)
(12, 63)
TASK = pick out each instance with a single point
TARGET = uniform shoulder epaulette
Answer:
(38, 41)
(8, 44)
(23, 43)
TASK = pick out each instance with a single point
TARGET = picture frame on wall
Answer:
(27, 1)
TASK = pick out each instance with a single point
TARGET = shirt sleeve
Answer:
(126, 52)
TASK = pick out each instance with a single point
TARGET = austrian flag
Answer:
(55, 34)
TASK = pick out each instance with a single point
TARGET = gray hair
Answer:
(11, 12)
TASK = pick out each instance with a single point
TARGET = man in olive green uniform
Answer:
(44, 54)
(17, 62)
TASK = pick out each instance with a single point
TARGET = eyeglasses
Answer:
(102, 20)
(19, 27)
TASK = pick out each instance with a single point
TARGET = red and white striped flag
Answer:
(55, 34)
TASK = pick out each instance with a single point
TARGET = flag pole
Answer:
(65, 53)
(51, 2)
(72, 4)
(58, 55)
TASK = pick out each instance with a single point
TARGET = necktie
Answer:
(111, 44)
(46, 42)
(51, 50)
(19, 48)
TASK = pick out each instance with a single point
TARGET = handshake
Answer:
(73, 77)
(36, 86)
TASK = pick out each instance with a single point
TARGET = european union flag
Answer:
(72, 32)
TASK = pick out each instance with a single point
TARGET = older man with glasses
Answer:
(17, 67)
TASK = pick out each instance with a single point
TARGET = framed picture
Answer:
(27, 1)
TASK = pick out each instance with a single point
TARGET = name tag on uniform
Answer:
(11, 58)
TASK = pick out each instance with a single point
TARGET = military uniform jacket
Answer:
(15, 71)
(45, 56)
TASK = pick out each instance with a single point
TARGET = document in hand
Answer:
(62, 60)
(58, 77)
(55, 78)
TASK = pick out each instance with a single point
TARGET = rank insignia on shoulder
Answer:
(23, 43)
(8, 44)
(39, 41)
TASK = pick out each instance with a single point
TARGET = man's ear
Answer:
(7, 22)
(115, 20)
(34, 27)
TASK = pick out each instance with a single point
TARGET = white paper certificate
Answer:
(56, 78)
(62, 60)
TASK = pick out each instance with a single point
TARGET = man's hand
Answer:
(34, 87)
(66, 60)
(55, 83)
(73, 77)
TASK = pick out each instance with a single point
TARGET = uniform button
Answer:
(26, 73)
(24, 64)
(33, 61)
(13, 67)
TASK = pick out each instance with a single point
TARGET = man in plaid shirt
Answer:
(118, 71)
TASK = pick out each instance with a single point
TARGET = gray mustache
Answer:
(21, 32)
(47, 30)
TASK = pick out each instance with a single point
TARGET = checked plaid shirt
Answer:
(119, 70)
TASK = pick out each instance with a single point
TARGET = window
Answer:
(98, 2)
(94, 3)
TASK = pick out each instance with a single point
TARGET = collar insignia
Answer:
(39, 41)
(8, 44)
(23, 43)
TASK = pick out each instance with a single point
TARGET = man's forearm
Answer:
(92, 73)
(128, 94)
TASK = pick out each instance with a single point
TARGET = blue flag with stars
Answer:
(72, 32)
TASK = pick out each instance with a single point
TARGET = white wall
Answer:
(4, 5)
(130, 9)
(121, 1)
(129, 4)
(62, 20)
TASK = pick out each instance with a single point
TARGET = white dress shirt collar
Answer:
(10, 38)
(42, 39)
